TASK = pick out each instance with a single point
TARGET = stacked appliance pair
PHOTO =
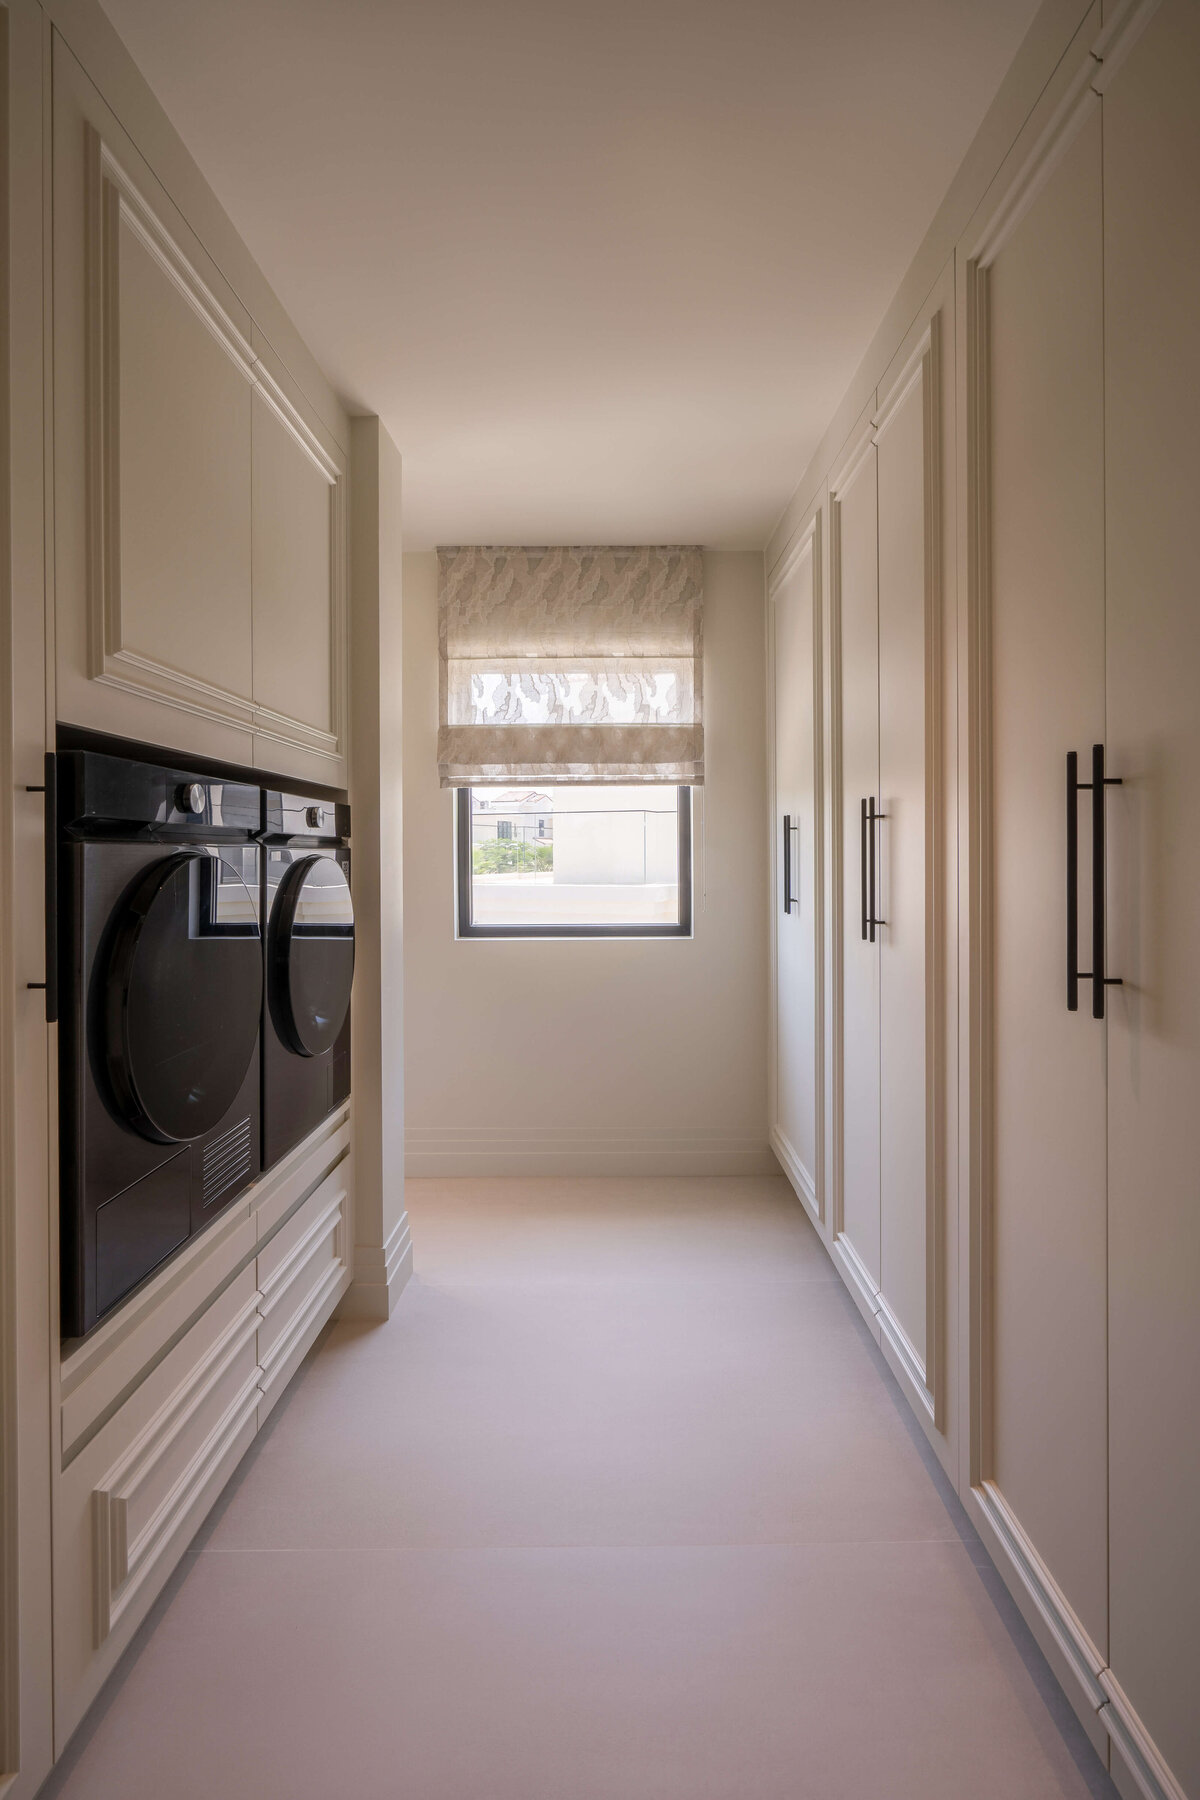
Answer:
(205, 953)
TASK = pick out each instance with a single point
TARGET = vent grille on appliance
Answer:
(226, 1160)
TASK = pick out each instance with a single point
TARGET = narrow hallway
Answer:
(621, 1504)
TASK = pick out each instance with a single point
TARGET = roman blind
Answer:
(576, 664)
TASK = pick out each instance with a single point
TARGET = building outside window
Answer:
(574, 861)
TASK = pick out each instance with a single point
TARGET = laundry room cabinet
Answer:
(199, 498)
(1080, 292)
(797, 1077)
(887, 560)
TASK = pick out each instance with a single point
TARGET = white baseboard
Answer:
(1093, 1686)
(380, 1273)
(466, 1152)
(802, 1182)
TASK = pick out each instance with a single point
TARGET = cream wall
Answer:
(595, 1056)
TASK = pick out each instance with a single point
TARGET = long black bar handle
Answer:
(50, 791)
(1072, 881)
(872, 816)
(1100, 980)
(862, 864)
(787, 863)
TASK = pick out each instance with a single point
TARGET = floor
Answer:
(622, 1504)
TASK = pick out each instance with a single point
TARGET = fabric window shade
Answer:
(562, 665)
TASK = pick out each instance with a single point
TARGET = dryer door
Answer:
(312, 955)
(180, 995)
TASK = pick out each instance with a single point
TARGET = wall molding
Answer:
(800, 1178)
(466, 1151)
(381, 1273)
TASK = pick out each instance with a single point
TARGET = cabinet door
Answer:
(907, 429)
(152, 396)
(1152, 363)
(1039, 328)
(298, 582)
(855, 598)
(797, 724)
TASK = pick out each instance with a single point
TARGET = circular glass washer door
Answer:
(312, 955)
(181, 995)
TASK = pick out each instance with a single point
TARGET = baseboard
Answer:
(380, 1274)
(468, 1152)
(798, 1175)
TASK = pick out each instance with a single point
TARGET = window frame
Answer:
(463, 873)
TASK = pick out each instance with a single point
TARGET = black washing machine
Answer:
(160, 981)
(310, 966)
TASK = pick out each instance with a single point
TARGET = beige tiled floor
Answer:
(620, 1505)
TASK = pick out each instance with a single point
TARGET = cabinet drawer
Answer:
(129, 1502)
(302, 1273)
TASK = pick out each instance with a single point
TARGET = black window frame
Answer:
(464, 890)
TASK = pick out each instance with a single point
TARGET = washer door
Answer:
(181, 996)
(312, 955)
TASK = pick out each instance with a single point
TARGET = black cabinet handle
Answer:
(789, 826)
(862, 865)
(1096, 974)
(1099, 895)
(1073, 882)
(50, 791)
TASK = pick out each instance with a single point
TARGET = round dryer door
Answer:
(312, 955)
(181, 995)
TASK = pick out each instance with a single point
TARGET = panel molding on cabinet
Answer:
(1003, 217)
(919, 383)
(139, 1503)
(117, 218)
(857, 461)
(114, 204)
(806, 1176)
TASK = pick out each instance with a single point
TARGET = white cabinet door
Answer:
(298, 583)
(907, 433)
(1152, 365)
(854, 574)
(1037, 329)
(200, 546)
(152, 398)
(794, 608)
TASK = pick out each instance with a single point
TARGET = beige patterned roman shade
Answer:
(570, 665)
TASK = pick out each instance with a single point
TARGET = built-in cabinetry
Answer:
(200, 535)
(886, 525)
(1081, 312)
(1010, 1040)
(159, 1404)
(794, 640)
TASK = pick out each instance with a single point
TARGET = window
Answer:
(573, 861)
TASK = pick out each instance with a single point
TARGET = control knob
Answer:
(190, 798)
(314, 817)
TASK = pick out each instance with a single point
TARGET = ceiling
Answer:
(604, 269)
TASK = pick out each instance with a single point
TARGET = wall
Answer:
(382, 1247)
(595, 1056)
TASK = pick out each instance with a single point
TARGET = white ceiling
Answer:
(604, 267)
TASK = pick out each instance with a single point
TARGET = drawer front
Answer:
(302, 1273)
(146, 1494)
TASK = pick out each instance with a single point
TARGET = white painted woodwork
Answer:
(162, 1400)
(909, 484)
(1040, 328)
(292, 563)
(855, 584)
(303, 1271)
(1152, 373)
(200, 538)
(795, 618)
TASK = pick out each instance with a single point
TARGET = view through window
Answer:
(574, 861)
